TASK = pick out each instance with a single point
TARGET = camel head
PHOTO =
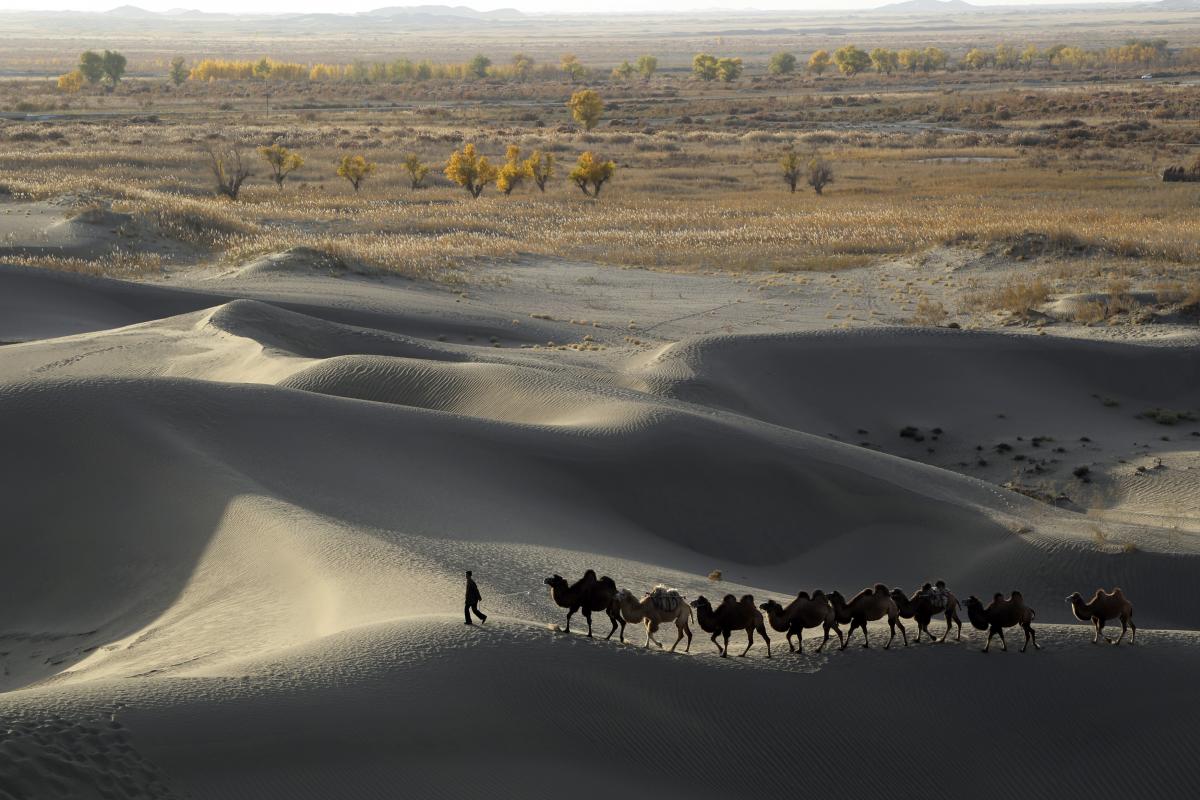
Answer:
(556, 582)
(973, 602)
(701, 602)
(626, 596)
(771, 607)
(1075, 597)
(802, 596)
(898, 594)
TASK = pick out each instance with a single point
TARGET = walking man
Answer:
(473, 598)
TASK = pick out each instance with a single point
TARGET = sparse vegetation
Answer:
(281, 161)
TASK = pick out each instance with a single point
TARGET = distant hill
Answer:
(1175, 5)
(928, 7)
(443, 11)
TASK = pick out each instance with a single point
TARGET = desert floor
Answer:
(238, 502)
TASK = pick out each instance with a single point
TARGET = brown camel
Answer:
(921, 607)
(868, 606)
(1001, 614)
(803, 612)
(731, 615)
(1101, 608)
(645, 610)
(590, 594)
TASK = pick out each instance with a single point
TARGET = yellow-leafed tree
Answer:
(355, 169)
(541, 168)
(71, 82)
(792, 167)
(470, 170)
(513, 171)
(586, 107)
(416, 171)
(282, 162)
(591, 173)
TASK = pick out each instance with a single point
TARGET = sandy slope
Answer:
(234, 531)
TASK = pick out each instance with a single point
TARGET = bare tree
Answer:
(228, 169)
(820, 174)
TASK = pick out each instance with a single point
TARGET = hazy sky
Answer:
(343, 6)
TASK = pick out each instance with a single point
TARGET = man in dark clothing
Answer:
(473, 598)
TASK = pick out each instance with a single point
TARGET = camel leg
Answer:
(891, 634)
(567, 629)
(588, 616)
(791, 647)
(725, 639)
(1003, 644)
(688, 629)
(846, 641)
(762, 631)
(838, 630)
(904, 632)
(718, 644)
(800, 640)
(953, 615)
(1124, 627)
(1133, 638)
(679, 638)
(1030, 636)
(749, 641)
(991, 633)
(614, 620)
(1100, 627)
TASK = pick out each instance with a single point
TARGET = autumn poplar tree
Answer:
(355, 169)
(470, 170)
(591, 173)
(586, 108)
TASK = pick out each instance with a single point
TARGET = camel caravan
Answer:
(827, 611)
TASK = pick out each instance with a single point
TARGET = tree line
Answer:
(107, 68)
(466, 167)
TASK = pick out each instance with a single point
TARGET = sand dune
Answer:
(235, 524)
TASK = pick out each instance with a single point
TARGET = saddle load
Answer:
(664, 598)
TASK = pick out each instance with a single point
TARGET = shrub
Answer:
(646, 66)
(818, 62)
(820, 174)
(586, 108)
(1020, 297)
(541, 168)
(469, 170)
(416, 171)
(355, 169)
(790, 163)
(281, 161)
(782, 64)
(178, 73)
(228, 169)
(513, 171)
(592, 172)
(71, 82)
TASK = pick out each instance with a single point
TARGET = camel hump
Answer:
(879, 587)
(802, 596)
(591, 573)
(607, 581)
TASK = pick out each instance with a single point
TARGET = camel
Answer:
(590, 594)
(868, 606)
(644, 610)
(803, 612)
(921, 607)
(1001, 614)
(731, 615)
(1101, 608)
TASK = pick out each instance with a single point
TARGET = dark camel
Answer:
(868, 606)
(1001, 614)
(731, 615)
(1101, 608)
(590, 594)
(803, 612)
(920, 607)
